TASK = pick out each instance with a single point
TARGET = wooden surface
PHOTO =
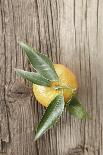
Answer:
(70, 32)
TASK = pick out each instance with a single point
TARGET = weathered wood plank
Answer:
(4, 124)
(70, 32)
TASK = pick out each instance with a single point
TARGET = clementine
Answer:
(67, 85)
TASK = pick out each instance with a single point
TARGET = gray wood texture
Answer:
(69, 32)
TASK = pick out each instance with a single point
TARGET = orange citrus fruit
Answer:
(67, 81)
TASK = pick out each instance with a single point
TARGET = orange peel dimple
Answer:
(45, 95)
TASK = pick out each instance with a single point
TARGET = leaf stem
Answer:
(65, 87)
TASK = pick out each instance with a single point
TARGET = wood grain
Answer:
(69, 32)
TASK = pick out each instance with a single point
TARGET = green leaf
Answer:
(40, 62)
(35, 78)
(75, 108)
(51, 115)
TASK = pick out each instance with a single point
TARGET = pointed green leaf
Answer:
(50, 116)
(75, 108)
(40, 62)
(35, 78)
